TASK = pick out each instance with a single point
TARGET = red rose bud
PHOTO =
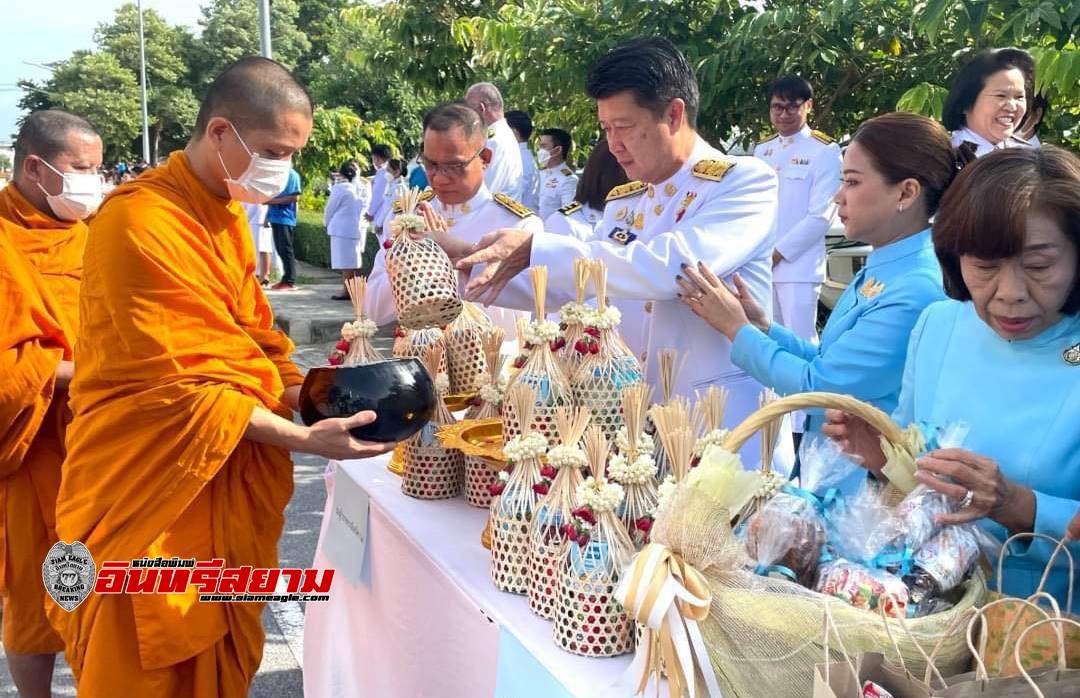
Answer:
(580, 347)
(548, 472)
(694, 461)
(495, 489)
(583, 540)
(592, 332)
(594, 348)
(644, 524)
(387, 244)
(541, 488)
(585, 514)
(519, 362)
(569, 531)
(342, 346)
(398, 332)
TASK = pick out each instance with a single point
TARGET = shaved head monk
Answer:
(56, 185)
(183, 398)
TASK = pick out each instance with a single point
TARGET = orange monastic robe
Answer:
(28, 488)
(175, 350)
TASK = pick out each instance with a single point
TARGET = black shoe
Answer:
(340, 297)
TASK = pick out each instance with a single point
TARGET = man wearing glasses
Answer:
(460, 204)
(807, 164)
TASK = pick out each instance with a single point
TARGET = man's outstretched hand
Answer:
(506, 252)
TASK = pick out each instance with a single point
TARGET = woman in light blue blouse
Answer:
(1002, 357)
(895, 171)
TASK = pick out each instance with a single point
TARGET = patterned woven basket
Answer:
(549, 545)
(635, 467)
(465, 348)
(417, 344)
(541, 373)
(513, 507)
(609, 366)
(432, 471)
(479, 475)
(422, 278)
(588, 619)
(571, 318)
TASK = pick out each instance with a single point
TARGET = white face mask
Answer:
(80, 195)
(263, 179)
(543, 156)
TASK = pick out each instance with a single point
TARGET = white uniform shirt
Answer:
(574, 219)
(983, 146)
(530, 178)
(469, 221)
(344, 212)
(558, 186)
(378, 193)
(715, 209)
(807, 165)
(503, 173)
(390, 193)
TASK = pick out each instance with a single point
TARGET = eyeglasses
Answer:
(453, 171)
(791, 107)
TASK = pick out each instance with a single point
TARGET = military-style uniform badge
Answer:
(687, 200)
(491, 132)
(1072, 355)
(658, 209)
(629, 189)
(622, 236)
(713, 170)
(566, 171)
(639, 221)
(518, 209)
(465, 207)
(821, 136)
(571, 207)
(69, 574)
(670, 189)
(620, 214)
(872, 288)
(800, 161)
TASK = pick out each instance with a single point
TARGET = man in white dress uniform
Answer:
(503, 173)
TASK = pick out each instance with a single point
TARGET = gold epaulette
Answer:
(571, 207)
(567, 171)
(629, 189)
(712, 169)
(770, 138)
(491, 132)
(821, 136)
(515, 207)
(426, 195)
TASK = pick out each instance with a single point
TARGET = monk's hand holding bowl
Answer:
(330, 438)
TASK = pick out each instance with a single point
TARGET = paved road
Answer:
(280, 675)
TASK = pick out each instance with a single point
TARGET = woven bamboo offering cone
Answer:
(560, 478)
(572, 319)
(588, 619)
(432, 471)
(541, 372)
(513, 507)
(465, 348)
(422, 278)
(479, 475)
(417, 344)
(670, 366)
(355, 348)
(709, 418)
(635, 468)
(608, 365)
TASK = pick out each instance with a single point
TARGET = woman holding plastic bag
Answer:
(1003, 357)
(894, 174)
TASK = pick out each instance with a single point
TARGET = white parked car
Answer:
(844, 260)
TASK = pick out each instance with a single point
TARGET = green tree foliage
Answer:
(230, 31)
(338, 135)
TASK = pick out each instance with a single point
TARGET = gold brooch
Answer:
(639, 221)
(652, 191)
(872, 288)
(465, 207)
(670, 189)
(621, 213)
(658, 209)
(1072, 355)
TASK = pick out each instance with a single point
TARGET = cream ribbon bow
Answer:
(670, 597)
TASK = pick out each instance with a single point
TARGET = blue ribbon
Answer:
(824, 506)
(766, 570)
(903, 560)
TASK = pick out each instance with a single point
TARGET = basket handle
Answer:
(1049, 565)
(738, 436)
(981, 672)
(1062, 664)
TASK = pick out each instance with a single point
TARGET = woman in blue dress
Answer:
(895, 172)
(1003, 357)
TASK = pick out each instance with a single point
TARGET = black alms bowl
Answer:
(399, 391)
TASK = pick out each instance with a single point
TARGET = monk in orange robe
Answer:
(183, 398)
(56, 184)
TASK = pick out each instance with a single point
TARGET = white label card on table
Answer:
(347, 530)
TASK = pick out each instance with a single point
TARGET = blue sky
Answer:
(45, 31)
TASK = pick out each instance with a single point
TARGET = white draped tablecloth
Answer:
(425, 619)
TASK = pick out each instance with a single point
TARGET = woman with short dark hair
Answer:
(894, 174)
(1003, 357)
(988, 100)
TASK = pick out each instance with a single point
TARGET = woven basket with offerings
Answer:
(588, 619)
(479, 475)
(540, 372)
(569, 347)
(432, 471)
(514, 503)
(560, 478)
(355, 348)
(422, 278)
(635, 468)
(417, 344)
(465, 348)
(608, 366)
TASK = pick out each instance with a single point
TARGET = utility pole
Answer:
(142, 82)
(264, 29)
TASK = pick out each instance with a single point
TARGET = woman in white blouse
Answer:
(345, 223)
(988, 100)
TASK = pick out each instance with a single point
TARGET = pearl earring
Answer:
(899, 208)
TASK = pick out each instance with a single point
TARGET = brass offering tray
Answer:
(481, 438)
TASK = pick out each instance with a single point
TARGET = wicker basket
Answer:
(465, 348)
(570, 316)
(417, 344)
(432, 471)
